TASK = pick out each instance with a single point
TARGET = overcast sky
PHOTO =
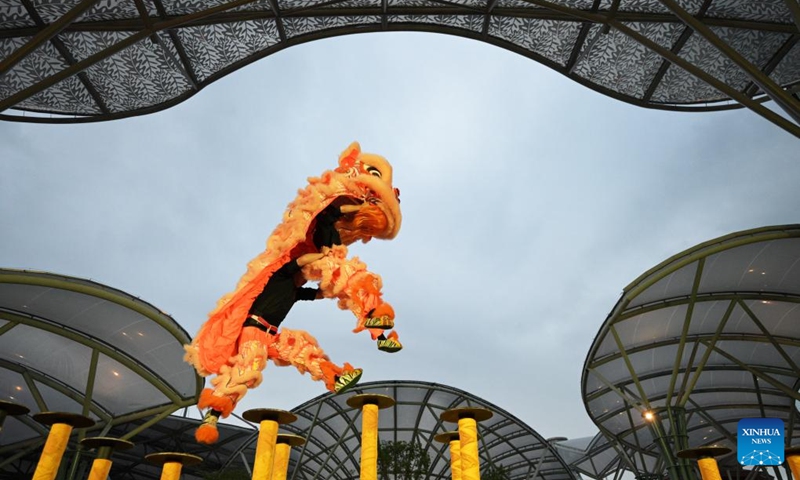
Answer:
(529, 203)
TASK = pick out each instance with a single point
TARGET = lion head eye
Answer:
(374, 171)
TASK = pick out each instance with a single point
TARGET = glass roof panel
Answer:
(744, 375)
(14, 431)
(676, 284)
(707, 315)
(57, 401)
(778, 317)
(14, 389)
(61, 325)
(52, 354)
(760, 267)
(652, 326)
(121, 390)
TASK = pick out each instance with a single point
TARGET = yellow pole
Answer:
(265, 450)
(172, 463)
(709, 470)
(468, 438)
(171, 471)
(793, 459)
(269, 421)
(455, 459)
(100, 469)
(369, 442)
(283, 450)
(53, 451)
(101, 465)
(370, 404)
(281, 465)
(467, 420)
(451, 438)
(61, 425)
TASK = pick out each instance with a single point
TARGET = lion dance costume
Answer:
(355, 201)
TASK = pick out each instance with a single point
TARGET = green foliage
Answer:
(493, 472)
(229, 474)
(402, 461)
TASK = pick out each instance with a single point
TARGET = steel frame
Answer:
(679, 407)
(146, 27)
(32, 377)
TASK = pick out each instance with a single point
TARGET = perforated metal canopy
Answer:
(333, 430)
(708, 337)
(93, 60)
(73, 345)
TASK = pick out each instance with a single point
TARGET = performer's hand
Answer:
(304, 260)
(350, 208)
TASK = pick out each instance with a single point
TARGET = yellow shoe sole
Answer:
(389, 345)
(347, 380)
(384, 323)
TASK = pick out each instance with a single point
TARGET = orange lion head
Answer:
(366, 179)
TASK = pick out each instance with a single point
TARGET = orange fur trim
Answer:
(206, 434)
(220, 404)
(367, 222)
(216, 341)
(383, 309)
(329, 373)
(301, 350)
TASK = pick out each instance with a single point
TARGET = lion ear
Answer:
(348, 158)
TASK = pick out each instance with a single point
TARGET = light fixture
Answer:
(649, 415)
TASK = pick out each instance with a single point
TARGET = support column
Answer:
(669, 443)
(793, 460)
(451, 438)
(269, 420)
(172, 463)
(709, 470)
(102, 462)
(467, 419)
(369, 404)
(283, 450)
(61, 425)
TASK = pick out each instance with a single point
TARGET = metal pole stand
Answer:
(467, 419)
(61, 425)
(269, 420)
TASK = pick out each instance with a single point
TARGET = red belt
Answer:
(271, 329)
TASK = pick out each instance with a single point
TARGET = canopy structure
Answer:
(694, 345)
(73, 345)
(333, 430)
(592, 457)
(87, 60)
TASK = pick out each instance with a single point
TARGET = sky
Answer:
(529, 202)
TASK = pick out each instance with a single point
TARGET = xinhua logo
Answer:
(760, 441)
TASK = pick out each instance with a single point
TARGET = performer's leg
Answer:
(363, 298)
(357, 290)
(301, 350)
(231, 384)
